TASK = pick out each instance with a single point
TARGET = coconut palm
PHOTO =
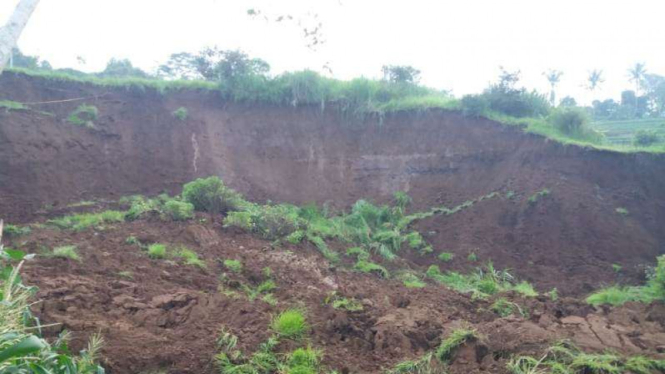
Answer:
(636, 75)
(594, 80)
(553, 76)
(10, 33)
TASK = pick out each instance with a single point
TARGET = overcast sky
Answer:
(458, 45)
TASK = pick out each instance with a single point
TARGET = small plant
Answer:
(510, 195)
(617, 268)
(410, 280)
(179, 210)
(12, 105)
(290, 324)
(553, 294)
(157, 251)
(190, 257)
(525, 289)
(446, 256)
(423, 365)
(538, 195)
(12, 231)
(269, 299)
(180, 114)
(84, 115)
(126, 274)
(233, 265)
(472, 257)
(503, 307)
(80, 222)
(622, 211)
(370, 267)
(457, 338)
(67, 251)
(131, 240)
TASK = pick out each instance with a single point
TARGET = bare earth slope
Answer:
(568, 239)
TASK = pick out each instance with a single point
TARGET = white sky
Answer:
(458, 45)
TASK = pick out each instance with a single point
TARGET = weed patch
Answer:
(80, 222)
(456, 339)
(157, 251)
(290, 324)
(67, 251)
(84, 116)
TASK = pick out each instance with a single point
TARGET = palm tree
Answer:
(594, 80)
(553, 76)
(636, 75)
(10, 33)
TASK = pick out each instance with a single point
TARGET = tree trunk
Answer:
(10, 33)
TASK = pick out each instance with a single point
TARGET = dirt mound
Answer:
(164, 315)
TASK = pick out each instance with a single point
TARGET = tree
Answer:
(401, 74)
(10, 33)
(636, 75)
(594, 80)
(122, 68)
(568, 101)
(553, 76)
(180, 66)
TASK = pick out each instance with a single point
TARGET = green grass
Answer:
(290, 324)
(233, 265)
(566, 358)
(12, 105)
(486, 281)
(80, 222)
(371, 268)
(450, 344)
(190, 257)
(66, 251)
(503, 307)
(622, 132)
(12, 231)
(157, 251)
(422, 365)
(472, 257)
(654, 289)
(525, 289)
(410, 280)
(617, 268)
(446, 256)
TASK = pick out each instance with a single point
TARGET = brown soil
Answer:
(166, 315)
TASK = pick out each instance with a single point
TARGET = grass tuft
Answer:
(67, 251)
(157, 251)
(290, 324)
(457, 338)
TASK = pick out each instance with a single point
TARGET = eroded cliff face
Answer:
(306, 154)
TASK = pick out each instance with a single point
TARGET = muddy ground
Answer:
(164, 315)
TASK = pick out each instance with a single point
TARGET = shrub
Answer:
(84, 116)
(211, 195)
(180, 113)
(157, 251)
(67, 251)
(179, 210)
(268, 221)
(516, 102)
(570, 120)
(446, 256)
(474, 105)
(233, 265)
(290, 324)
(645, 138)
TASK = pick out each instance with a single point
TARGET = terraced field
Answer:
(622, 132)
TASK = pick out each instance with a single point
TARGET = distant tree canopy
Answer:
(122, 68)
(20, 60)
(401, 74)
(212, 64)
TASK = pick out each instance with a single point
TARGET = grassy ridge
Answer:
(359, 96)
(622, 132)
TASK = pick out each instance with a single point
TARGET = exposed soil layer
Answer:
(163, 315)
(568, 239)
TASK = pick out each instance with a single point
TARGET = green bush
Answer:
(67, 251)
(179, 210)
(446, 256)
(268, 221)
(645, 138)
(572, 121)
(84, 115)
(14, 231)
(211, 195)
(474, 105)
(180, 113)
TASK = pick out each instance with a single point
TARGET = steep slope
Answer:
(568, 239)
